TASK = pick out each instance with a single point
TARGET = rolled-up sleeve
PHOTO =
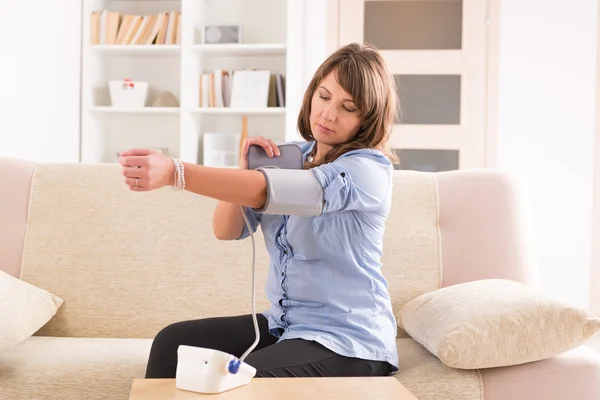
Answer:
(253, 219)
(355, 182)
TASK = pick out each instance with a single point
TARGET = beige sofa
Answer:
(127, 264)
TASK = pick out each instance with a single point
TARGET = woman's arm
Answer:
(233, 188)
(146, 169)
(237, 186)
(228, 221)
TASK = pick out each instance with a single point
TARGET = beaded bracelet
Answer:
(179, 175)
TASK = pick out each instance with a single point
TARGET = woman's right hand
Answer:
(268, 145)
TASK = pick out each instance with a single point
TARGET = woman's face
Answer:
(334, 118)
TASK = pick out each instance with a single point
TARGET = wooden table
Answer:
(380, 388)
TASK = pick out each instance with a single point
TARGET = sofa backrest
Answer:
(128, 263)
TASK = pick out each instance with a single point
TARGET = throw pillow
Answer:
(24, 309)
(494, 323)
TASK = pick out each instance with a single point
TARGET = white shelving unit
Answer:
(265, 44)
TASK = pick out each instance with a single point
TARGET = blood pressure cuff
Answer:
(292, 192)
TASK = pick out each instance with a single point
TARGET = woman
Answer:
(331, 313)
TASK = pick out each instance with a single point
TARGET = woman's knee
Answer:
(232, 335)
(162, 360)
(197, 333)
(169, 336)
(165, 344)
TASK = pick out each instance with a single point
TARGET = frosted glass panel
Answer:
(429, 99)
(428, 160)
(413, 25)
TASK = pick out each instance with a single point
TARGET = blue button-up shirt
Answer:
(325, 281)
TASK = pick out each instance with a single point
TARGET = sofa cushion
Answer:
(495, 323)
(24, 308)
(72, 368)
(130, 263)
(97, 369)
(412, 260)
(574, 374)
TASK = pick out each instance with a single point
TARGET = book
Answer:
(112, 27)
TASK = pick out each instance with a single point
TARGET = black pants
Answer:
(234, 335)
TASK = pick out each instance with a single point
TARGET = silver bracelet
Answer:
(179, 175)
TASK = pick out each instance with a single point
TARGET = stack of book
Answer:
(112, 27)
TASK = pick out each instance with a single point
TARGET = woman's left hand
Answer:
(146, 169)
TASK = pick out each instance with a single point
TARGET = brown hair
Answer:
(362, 72)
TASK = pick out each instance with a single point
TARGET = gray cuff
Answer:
(292, 192)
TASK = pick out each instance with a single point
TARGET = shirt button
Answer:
(283, 274)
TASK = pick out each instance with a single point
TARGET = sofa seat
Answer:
(53, 368)
(425, 376)
(93, 369)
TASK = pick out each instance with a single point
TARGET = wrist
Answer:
(172, 175)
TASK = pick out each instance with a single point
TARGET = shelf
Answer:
(239, 111)
(251, 49)
(205, 111)
(137, 49)
(240, 49)
(144, 110)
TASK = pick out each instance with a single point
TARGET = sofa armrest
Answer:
(488, 213)
(15, 181)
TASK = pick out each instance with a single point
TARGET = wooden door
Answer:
(436, 49)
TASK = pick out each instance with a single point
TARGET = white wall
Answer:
(546, 106)
(39, 96)
(595, 276)
(313, 36)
